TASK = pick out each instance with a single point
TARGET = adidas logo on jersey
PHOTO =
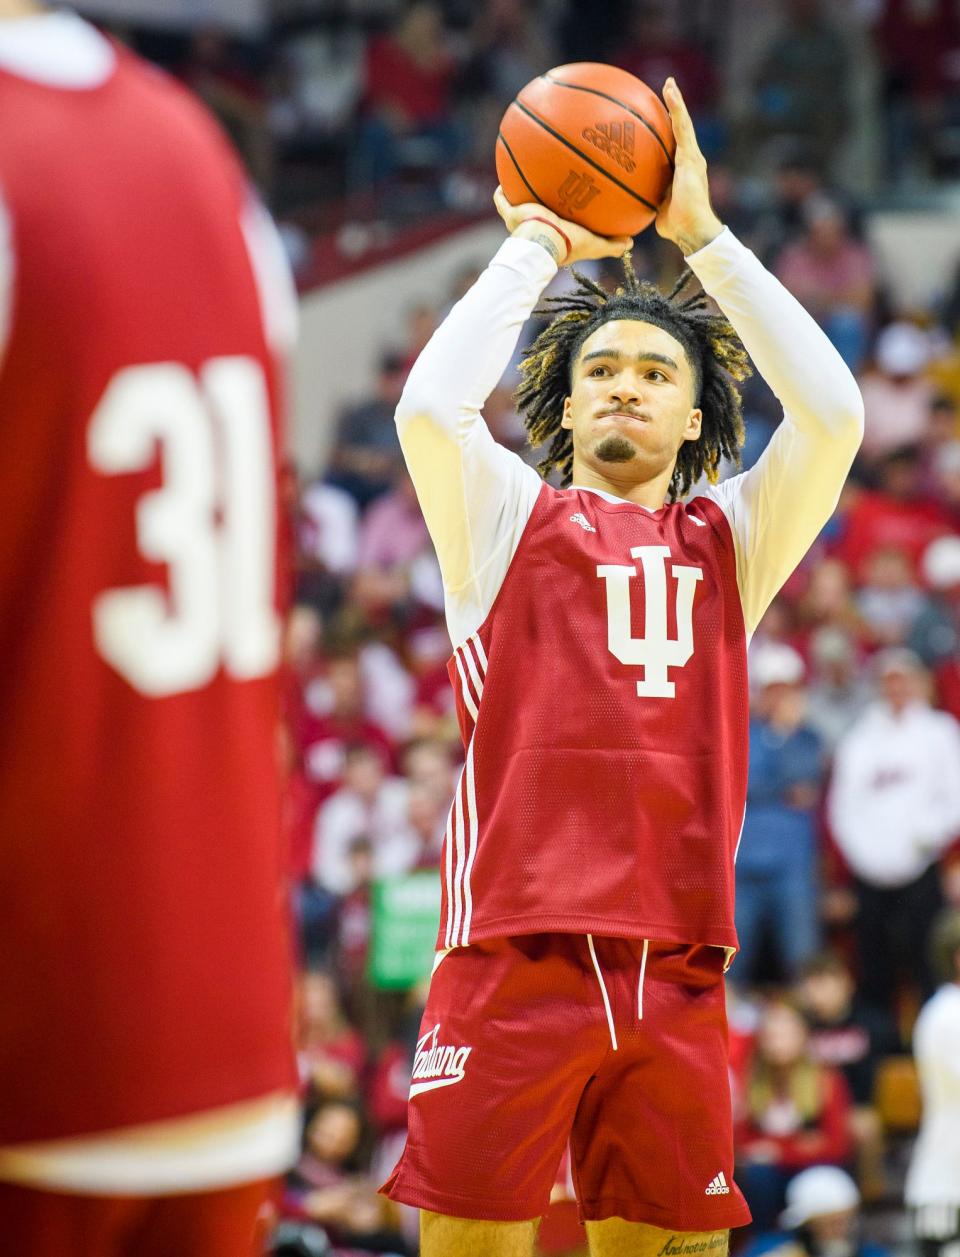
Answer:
(437, 1064)
(718, 1186)
(582, 520)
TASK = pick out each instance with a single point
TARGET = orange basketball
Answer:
(590, 142)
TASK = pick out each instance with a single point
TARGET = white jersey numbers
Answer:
(211, 523)
(655, 652)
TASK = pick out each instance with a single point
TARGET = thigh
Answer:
(37, 1223)
(653, 1137)
(614, 1237)
(231, 1222)
(442, 1236)
(512, 1031)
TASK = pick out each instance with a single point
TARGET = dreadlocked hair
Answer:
(718, 359)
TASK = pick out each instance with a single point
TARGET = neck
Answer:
(649, 493)
(19, 8)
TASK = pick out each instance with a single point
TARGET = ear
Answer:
(691, 431)
(566, 420)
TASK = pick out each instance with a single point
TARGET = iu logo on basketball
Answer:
(655, 652)
(577, 191)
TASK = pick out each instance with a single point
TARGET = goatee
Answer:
(614, 449)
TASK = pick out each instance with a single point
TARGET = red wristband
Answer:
(537, 218)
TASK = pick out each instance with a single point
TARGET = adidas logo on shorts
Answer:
(718, 1186)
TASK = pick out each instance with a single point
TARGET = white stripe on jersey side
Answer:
(477, 682)
(472, 848)
(481, 653)
(461, 856)
(448, 843)
(465, 688)
(462, 824)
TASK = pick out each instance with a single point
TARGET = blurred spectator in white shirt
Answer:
(894, 806)
(933, 1179)
(896, 393)
(371, 804)
(328, 528)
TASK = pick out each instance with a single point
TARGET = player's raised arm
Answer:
(477, 496)
(780, 505)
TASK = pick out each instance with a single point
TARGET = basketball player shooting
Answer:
(600, 668)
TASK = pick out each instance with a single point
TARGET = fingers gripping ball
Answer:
(592, 143)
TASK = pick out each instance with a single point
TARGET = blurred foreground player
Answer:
(145, 1074)
(600, 669)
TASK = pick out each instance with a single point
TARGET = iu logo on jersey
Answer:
(655, 652)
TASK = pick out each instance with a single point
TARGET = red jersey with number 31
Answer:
(602, 706)
(143, 959)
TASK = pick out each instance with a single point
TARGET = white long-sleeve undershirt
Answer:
(477, 496)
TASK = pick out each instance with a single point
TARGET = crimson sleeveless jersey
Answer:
(603, 707)
(143, 958)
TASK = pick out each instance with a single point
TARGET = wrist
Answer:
(543, 233)
(698, 236)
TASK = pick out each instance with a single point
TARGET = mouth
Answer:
(624, 414)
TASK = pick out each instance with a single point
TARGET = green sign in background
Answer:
(406, 917)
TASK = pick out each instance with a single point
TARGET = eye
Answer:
(656, 373)
(598, 371)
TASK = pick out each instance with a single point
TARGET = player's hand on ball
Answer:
(557, 231)
(686, 216)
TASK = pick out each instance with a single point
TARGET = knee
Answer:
(441, 1236)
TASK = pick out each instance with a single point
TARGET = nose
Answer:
(624, 389)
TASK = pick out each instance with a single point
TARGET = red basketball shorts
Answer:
(229, 1222)
(617, 1045)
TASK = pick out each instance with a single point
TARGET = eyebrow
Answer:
(641, 357)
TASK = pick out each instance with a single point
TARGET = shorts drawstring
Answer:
(643, 970)
(603, 992)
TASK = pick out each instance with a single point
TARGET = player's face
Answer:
(631, 403)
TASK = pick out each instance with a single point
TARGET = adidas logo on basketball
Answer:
(718, 1186)
(438, 1064)
(617, 139)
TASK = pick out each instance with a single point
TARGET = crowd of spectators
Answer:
(342, 94)
(849, 851)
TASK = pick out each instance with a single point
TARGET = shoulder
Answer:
(164, 102)
(714, 506)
